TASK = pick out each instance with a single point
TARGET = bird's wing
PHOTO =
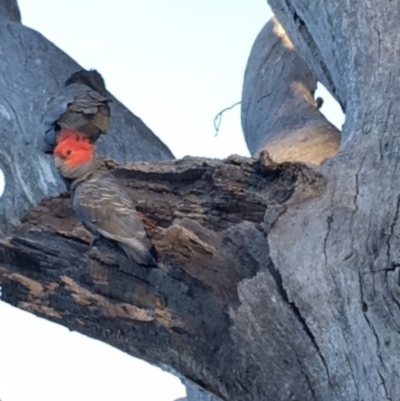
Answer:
(73, 107)
(106, 206)
(87, 101)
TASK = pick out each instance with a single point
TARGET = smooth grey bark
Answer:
(10, 10)
(279, 113)
(31, 71)
(194, 393)
(277, 283)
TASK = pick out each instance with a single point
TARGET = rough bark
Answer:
(347, 284)
(302, 303)
(279, 113)
(188, 314)
(31, 71)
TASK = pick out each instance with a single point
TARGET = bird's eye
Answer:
(68, 152)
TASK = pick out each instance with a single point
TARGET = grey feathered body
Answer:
(105, 208)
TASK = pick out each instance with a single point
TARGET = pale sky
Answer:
(175, 64)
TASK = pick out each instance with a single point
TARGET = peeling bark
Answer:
(204, 217)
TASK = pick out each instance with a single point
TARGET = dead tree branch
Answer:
(205, 219)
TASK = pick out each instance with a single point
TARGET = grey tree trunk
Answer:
(279, 113)
(277, 281)
(10, 10)
(32, 69)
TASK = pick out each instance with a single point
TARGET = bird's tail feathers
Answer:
(141, 256)
(153, 254)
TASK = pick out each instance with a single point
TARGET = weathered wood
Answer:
(279, 113)
(31, 71)
(205, 219)
(324, 44)
(302, 303)
(342, 270)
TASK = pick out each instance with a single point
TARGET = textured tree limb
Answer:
(310, 312)
(307, 39)
(205, 218)
(32, 70)
(328, 37)
(346, 284)
(279, 113)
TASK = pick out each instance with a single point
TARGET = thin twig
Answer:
(218, 117)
